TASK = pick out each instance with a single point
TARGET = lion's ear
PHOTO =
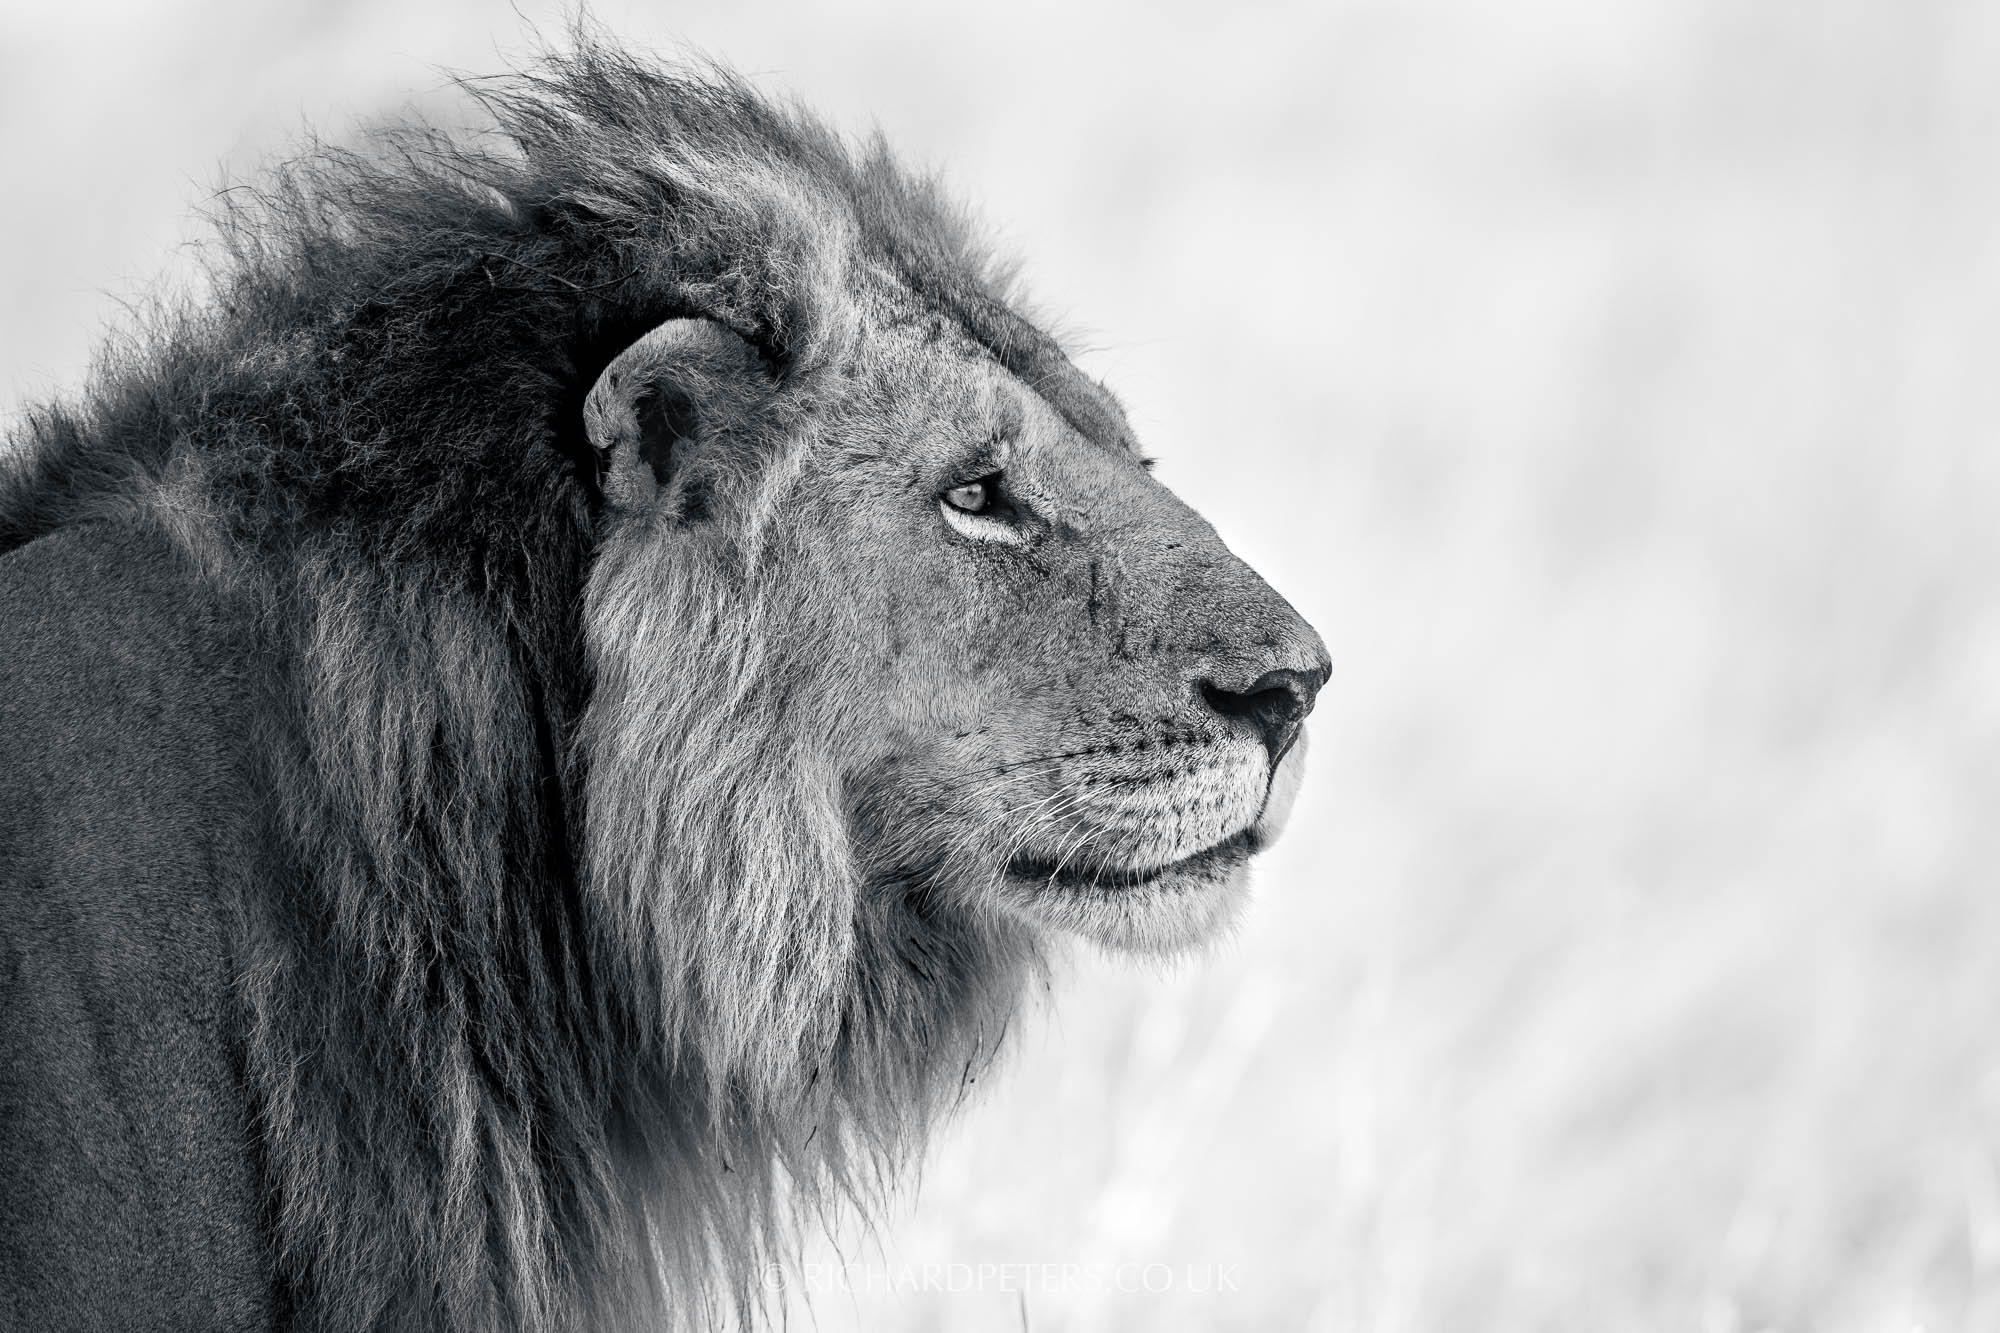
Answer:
(685, 382)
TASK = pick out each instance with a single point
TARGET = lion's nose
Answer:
(1276, 703)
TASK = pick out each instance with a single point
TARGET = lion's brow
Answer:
(1008, 420)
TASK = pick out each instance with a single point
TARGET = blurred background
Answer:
(1615, 386)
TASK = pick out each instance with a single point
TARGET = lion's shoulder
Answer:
(122, 1132)
(116, 646)
(122, 698)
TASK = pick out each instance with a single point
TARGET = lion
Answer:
(552, 718)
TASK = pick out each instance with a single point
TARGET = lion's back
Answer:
(127, 1189)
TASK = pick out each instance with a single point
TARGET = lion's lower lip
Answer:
(1072, 875)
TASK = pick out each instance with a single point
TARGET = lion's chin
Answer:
(1166, 909)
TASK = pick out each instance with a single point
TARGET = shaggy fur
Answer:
(560, 955)
(372, 441)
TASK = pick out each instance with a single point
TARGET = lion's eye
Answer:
(980, 511)
(975, 497)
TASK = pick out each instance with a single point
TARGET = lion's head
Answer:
(950, 668)
(1031, 682)
(711, 640)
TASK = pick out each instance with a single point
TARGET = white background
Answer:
(1614, 386)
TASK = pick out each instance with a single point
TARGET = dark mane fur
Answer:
(472, 1110)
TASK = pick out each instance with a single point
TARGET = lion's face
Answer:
(1055, 693)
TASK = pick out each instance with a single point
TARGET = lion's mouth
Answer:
(1085, 876)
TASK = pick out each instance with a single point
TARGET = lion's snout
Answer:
(1275, 703)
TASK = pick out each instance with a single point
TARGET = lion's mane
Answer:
(569, 977)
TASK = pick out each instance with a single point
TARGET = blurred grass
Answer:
(1613, 386)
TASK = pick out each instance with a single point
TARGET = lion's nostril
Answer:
(1276, 703)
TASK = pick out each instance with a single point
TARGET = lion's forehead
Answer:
(980, 373)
